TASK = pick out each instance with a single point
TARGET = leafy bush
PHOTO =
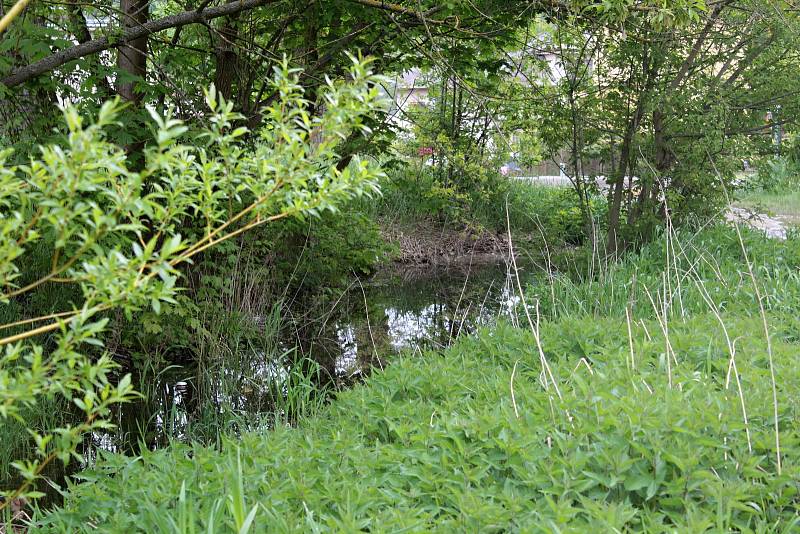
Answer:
(532, 209)
(410, 194)
(120, 235)
(329, 249)
(776, 174)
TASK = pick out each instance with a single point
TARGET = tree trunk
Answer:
(663, 155)
(227, 56)
(627, 158)
(617, 188)
(132, 57)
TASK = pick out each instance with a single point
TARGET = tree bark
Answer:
(626, 166)
(62, 57)
(132, 56)
(227, 56)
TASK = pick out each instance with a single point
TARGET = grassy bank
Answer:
(429, 224)
(662, 423)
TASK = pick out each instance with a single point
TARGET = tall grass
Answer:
(682, 268)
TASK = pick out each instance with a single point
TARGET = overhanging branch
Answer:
(62, 57)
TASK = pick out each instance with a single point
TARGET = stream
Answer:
(400, 312)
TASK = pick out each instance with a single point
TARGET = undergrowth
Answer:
(552, 213)
(663, 421)
(447, 442)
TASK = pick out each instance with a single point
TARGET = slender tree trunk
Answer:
(576, 159)
(617, 188)
(627, 157)
(227, 56)
(132, 57)
(663, 162)
(311, 53)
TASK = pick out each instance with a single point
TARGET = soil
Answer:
(429, 243)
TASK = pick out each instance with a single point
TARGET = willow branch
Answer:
(5, 22)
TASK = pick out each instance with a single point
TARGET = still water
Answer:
(396, 313)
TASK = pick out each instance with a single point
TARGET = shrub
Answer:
(120, 235)
(775, 174)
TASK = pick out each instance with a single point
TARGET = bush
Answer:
(774, 175)
(533, 210)
(119, 235)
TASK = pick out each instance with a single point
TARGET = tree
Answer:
(674, 102)
(168, 50)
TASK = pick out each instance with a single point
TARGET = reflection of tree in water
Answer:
(403, 311)
(335, 344)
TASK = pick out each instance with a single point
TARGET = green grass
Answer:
(651, 429)
(701, 266)
(532, 208)
(436, 443)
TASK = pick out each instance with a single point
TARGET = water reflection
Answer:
(397, 313)
(412, 310)
(362, 328)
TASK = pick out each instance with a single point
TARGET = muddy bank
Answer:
(428, 243)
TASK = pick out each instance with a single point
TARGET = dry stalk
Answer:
(585, 363)
(668, 346)
(732, 362)
(513, 398)
(763, 314)
(732, 367)
(369, 327)
(630, 335)
(646, 331)
(461, 297)
(764, 323)
(534, 328)
(548, 265)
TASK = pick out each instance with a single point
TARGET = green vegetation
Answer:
(408, 198)
(118, 236)
(783, 205)
(197, 200)
(774, 189)
(666, 426)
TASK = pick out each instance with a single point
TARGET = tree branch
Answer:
(698, 44)
(23, 74)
